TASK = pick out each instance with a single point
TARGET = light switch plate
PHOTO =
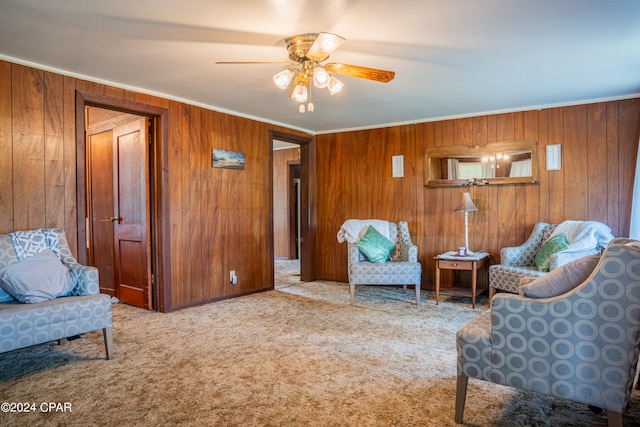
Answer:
(554, 157)
(397, 163)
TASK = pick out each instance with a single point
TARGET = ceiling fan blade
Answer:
(325, 45)
(383, 76)
(253, 63)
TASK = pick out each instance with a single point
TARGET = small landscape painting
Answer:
(228, 159)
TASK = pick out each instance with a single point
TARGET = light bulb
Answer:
(283, 78)
(334, 86)
(320, 77)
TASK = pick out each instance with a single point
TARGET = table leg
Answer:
(437, 282)
(474, 276)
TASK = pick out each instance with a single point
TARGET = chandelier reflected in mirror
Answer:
(494, 159)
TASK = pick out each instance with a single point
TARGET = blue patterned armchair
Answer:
(518, 262)
(403, 267)
(83, 309)
(581, 345)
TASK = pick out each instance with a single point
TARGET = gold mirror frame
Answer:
(434, 155)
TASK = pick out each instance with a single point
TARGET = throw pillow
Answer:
(375, 246)
(562, 279)
(5, 297)
(40, 277)
(555, 244)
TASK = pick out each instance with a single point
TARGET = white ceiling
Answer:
(452, 58)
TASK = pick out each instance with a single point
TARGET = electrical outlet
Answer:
(232, 275)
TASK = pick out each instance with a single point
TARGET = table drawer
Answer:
(455, 265)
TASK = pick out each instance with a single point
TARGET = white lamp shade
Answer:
(283, 78)
(320, 77)
(465, 204)
(334, 86)
(300, 93)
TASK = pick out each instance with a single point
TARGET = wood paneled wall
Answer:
(282, 159)
(599, 145)
(220, 219)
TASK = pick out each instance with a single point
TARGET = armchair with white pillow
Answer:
(548, 247)
(45, 294)
(380, 253)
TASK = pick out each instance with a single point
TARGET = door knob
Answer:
(116, 218)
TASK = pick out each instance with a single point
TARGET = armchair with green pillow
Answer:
(548, 247)
(380, 253)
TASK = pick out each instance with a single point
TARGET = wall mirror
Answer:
(507, 162)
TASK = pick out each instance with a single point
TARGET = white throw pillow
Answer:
(40, 277)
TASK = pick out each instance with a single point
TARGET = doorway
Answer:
(294, 211)
(137, 254)
(286, 184)
(118, 203)
(296, 195)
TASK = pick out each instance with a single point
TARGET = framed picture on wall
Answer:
(227, 159)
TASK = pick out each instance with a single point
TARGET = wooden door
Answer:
(101, 248)
(131, 213)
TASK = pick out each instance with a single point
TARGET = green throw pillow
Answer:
(555, 244)
(375, 246)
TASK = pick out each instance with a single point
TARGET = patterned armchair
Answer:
(83, 309)
(582, 345)
(403, 267)
(519, 262)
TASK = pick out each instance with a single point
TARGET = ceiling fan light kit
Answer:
(283, 78)
(300, 93)
(321, 77)
(307, 51)
(335, 86)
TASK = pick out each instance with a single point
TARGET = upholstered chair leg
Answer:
(614, 419)
(108, 342)
(404, 289)
(461, 396)
(417, 294)
(352, 292)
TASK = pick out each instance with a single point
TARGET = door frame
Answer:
(307, 201)
(158, 188)
(293, 192)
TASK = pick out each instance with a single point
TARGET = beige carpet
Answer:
(295, 356)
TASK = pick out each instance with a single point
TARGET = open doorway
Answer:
(291, 206)
(286, 212)
(286, 200)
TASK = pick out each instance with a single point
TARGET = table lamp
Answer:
(466, 205)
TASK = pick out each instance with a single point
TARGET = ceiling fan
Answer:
(307, 52)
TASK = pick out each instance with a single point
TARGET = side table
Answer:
(473, 263)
